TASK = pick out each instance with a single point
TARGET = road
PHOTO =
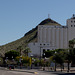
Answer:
(36, 72)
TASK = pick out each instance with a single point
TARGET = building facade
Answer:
(51, 37)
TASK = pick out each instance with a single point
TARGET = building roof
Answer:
(49, 21)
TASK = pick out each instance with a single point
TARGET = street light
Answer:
(44, 61)
(40, 56)
(55, 63)
(68, 62)
(31, 60)
(20, 62)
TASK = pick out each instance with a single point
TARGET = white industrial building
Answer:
(53, 36)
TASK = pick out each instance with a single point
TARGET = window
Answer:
(71, 25)
(74, 21)
(43, 44)
(63, 26)
(40, 44)
(71, 21)
(74, 25)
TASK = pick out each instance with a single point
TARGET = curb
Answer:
(18, 70)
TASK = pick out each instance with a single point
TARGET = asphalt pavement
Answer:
(5, 71)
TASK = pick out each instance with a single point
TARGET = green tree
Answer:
(71, 43)
(24, 60)
(11, 54)
(59, 57)
(72, 51)
(36, 62)
(72, 56)
(1, 61)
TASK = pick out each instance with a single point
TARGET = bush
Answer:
(24, 60)
(36, 62)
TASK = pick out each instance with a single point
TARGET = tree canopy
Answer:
(11, 54)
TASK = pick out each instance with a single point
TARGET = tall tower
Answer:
(71, 27)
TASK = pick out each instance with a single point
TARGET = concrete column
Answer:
(61, 38)
(41, 35)
(47, 35)
(65, 38)
(57, 38)
(53, 36)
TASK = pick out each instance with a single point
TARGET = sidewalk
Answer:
(23, 70)
(72, 70)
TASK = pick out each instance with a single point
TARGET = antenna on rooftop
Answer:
(48, 15)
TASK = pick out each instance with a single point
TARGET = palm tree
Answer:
(27, 50)
(71, 43)
(20, 50)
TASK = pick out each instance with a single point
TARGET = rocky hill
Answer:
(30, 36)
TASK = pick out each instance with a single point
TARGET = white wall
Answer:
(71, 29)
(34, 47)
(53, 37)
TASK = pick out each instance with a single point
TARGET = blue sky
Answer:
(19, 16)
